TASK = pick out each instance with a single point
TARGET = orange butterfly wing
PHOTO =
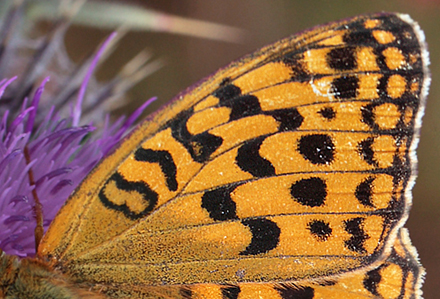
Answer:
(399, 276)
(291, 164)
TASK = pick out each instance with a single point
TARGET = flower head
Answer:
(44, 151)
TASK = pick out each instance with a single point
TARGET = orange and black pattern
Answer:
(398, 277)
(286, 174)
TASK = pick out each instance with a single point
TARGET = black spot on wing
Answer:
(365, 148)
(288, 291)
(288, 119)
(294, 60)
(320, 229)
(359, 35)
(249, 159)
(203, 145)
(241, 105)
(310, 192)
(368, 115)
(227, 92)
(246, 105)
(342, 59)
(230, 292)
(409, 267)
(358, 236)
(149, 197)
(372, 280)
(345, 87)
(200, 146)
(364, 192)
(265, 236)
(165, 161)
(400, 170)
(328, 113)
(219, 203)
(317, 148)
(382, 87)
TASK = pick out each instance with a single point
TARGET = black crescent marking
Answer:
(165, 161)
(200, 146)
(249, 159)
(265, 236)
(219, 204)
(364, 192)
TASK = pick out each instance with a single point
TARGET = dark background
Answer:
(188, 59)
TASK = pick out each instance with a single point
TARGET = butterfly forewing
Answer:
(293, 163)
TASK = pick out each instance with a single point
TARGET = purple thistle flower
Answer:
(61, 152)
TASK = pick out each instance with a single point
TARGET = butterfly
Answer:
(286, 174)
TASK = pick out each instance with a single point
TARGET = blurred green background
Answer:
(189, 59)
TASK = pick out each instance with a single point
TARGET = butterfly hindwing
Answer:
(293, 163)
(399, 276)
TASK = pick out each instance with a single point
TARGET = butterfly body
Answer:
(287, 173)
